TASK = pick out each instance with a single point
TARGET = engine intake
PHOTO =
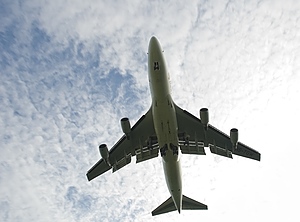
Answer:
(234, 136)
(104, 153)
(125, 124)
(204, 117)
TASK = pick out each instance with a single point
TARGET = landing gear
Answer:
(163, 150)
(174, 149)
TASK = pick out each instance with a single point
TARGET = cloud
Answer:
(70, 70)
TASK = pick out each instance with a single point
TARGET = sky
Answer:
(70, 70)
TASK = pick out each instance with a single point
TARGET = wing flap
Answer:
(121, 163)
(149, 153)
(192, 149)
(220, 151)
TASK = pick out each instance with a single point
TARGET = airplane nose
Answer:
(154, 44)
(153, 40)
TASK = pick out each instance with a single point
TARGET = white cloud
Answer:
(70, 70)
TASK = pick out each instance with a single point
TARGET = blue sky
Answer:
(70, 70)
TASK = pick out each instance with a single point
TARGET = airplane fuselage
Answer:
(164, 119)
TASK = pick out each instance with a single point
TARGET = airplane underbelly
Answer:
(165, 123)
(173, 175)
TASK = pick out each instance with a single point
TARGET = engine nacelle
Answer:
(104, 153)
(204, 117)
(234, 137)
(125, 124)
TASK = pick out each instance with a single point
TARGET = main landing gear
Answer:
(163, 150)
(174, 149)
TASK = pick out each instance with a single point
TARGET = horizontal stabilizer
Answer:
(190, 204)
(187, 204)
(165, 207)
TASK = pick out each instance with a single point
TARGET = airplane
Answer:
(165, 129)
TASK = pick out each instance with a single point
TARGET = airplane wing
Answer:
(193, 138)
(142, 142)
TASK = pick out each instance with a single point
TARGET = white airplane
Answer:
(165, 129)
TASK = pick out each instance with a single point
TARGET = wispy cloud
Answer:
(70, 70)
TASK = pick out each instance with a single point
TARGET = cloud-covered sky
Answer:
(69, 70)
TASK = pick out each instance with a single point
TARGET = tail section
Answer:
(187, 204)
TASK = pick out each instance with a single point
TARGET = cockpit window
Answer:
(156, 66)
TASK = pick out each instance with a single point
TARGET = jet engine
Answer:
(104, 153)
(234, 136)
(125, 124)
(204, 117)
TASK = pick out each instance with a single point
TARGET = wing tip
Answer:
(89, 177)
